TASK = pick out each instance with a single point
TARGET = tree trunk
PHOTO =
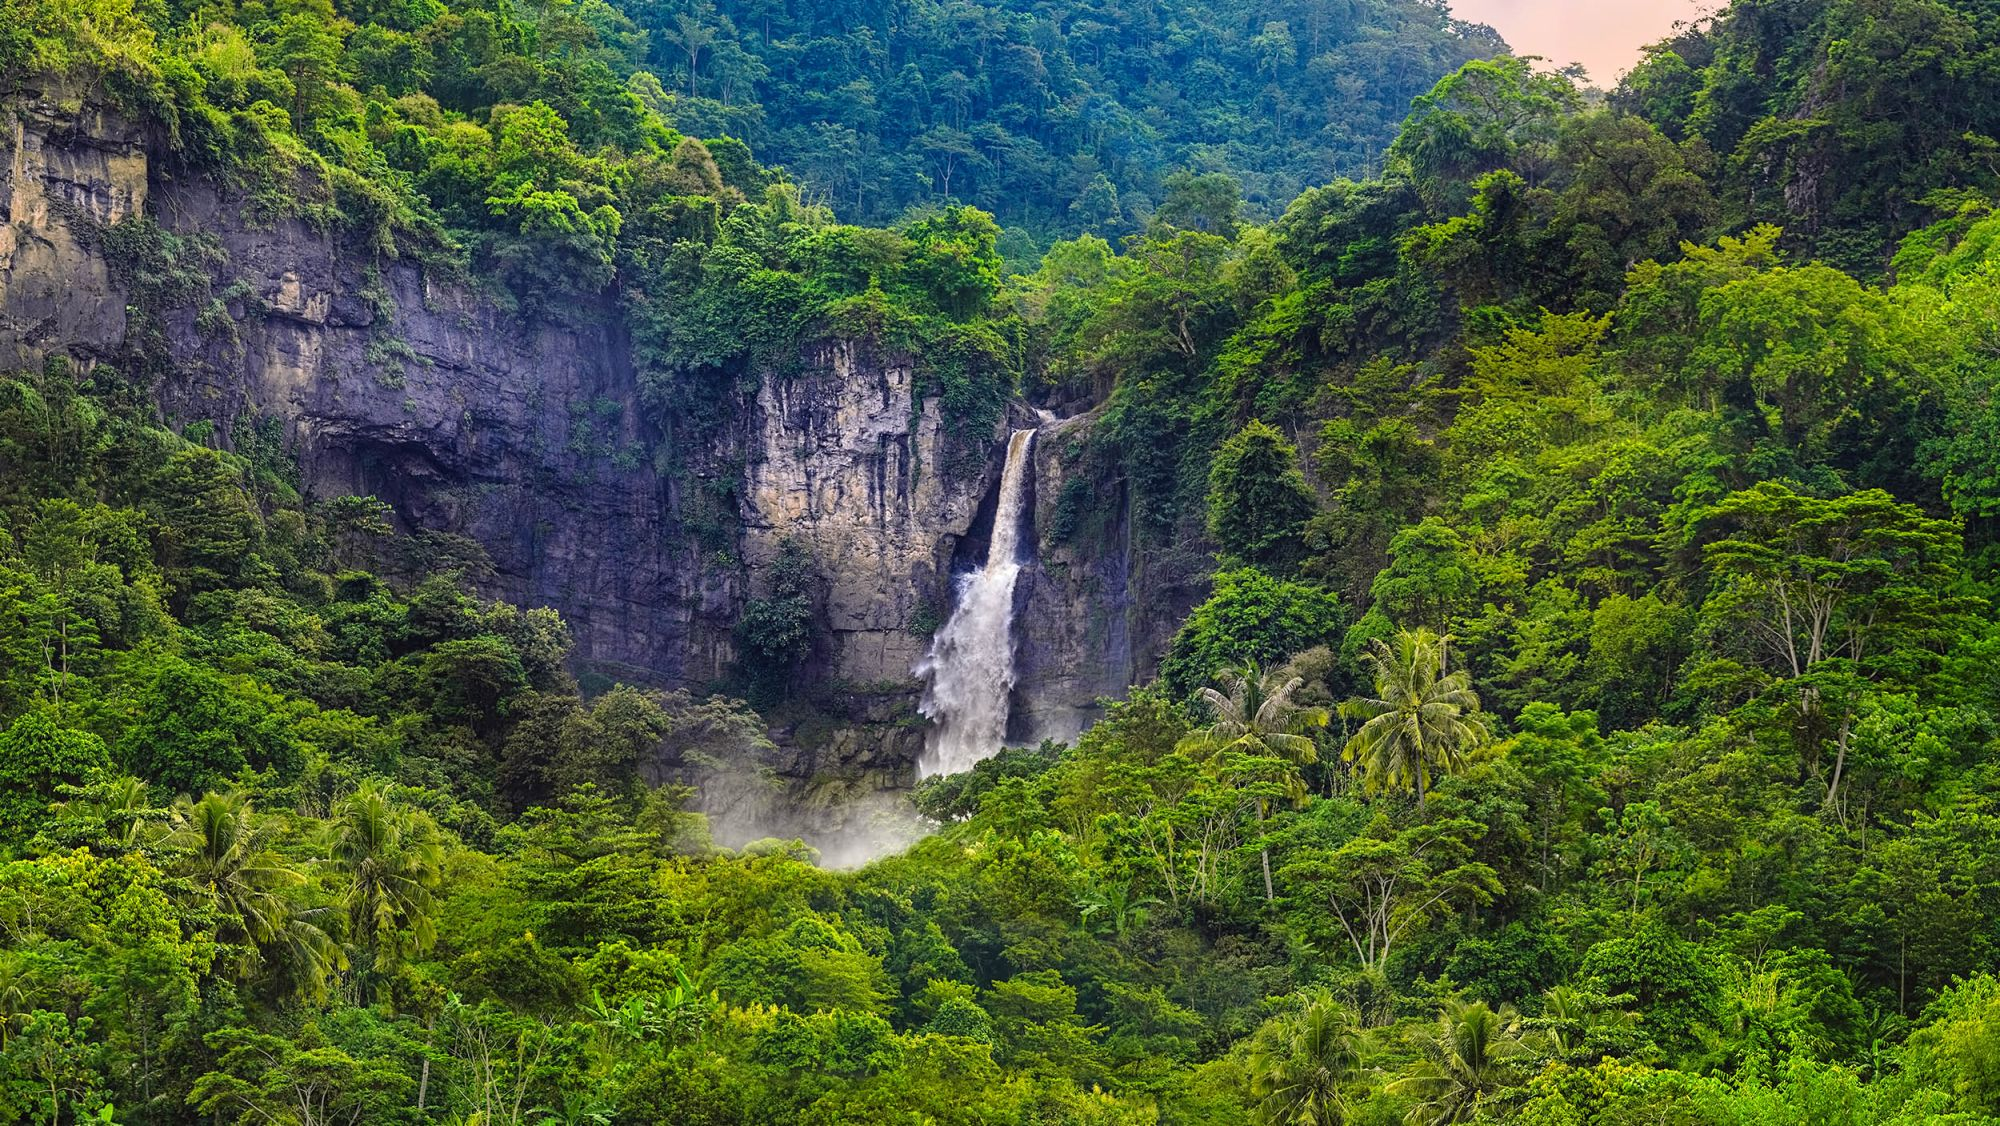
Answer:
(1839, 764)
(1264, 852)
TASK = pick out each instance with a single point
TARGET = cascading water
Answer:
(970, 667)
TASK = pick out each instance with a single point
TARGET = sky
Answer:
(1606, 36)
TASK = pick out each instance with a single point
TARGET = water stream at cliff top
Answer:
(970, 667)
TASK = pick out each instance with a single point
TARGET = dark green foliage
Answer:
(1673, 982)
(192, 730)
(1055, 121)
(776, 631)
(1845, 124)
(1258, 500)
(1250, 618)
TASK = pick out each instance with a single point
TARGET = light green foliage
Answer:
(260, 1076)
(1385, 886)
(1497, 114)
(393, 858)
(1467, 1063)
(37, 756)
(1672, 981)
(1422, 719)
(1305, 1065)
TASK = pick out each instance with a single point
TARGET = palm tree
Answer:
(392, 858)
(1259, 715)
(1468, 1060)
(1578, 1025)
(1421, 720)
(1302, 1062)
(1116, 906)
(229, 865)
(112, 816)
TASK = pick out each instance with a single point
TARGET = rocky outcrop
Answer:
(524, 434)
(1093, 615)
(847, 458)
(70, 163)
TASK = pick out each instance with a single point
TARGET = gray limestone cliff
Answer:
(525, 435)
(1093, 614)
(846, 458)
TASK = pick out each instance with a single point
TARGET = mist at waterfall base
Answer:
(969, 671)
(748, 811)
(969, 678)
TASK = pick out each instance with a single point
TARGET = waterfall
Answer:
(970, 667)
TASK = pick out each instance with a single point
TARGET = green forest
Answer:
(1591, 716)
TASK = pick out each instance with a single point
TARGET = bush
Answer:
(1251, 616)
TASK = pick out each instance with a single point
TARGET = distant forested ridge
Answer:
(1055, 118)
(1847, 124)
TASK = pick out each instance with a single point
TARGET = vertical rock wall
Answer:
(525, 434)
(67, 162)
(1094, 616)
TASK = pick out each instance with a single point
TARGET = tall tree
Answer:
(1258, 500)
(393, 859)
(229, 864)
(1259, 717)
(1385, 885)
(1827, 591)
(1467, 1061)
(1422, 718)
(37, 755)
(692, 33)
(1305, 1063)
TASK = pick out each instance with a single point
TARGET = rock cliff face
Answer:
(525, 435)
(1091, 619)
(848, 459)
(69, 162)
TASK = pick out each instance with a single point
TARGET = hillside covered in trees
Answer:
(1056, 119)
(1591, 716)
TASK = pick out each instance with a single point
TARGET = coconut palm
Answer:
(1259, 715)
(1304, 1063)
(1257, 712)
(111, 816)
(227, 863)
(1578, 1025)
(392, 858)
(1468, 1060)
(1421, 720)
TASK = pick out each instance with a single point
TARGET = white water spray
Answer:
(971, 663)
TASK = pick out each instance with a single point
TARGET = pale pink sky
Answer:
(1604, 35)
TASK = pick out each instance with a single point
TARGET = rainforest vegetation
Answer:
(1590, 715)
